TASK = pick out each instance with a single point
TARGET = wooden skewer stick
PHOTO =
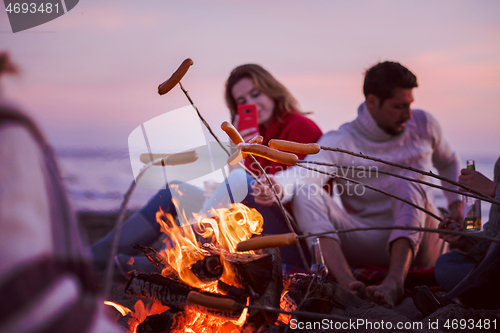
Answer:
(257, 243)
(376, 190)
(283, 211)
(430, 174)
(213, 134)
(108, 277)
(488, 199)
(218, 303)
(230, 305)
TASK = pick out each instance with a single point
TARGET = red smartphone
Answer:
(249, 117)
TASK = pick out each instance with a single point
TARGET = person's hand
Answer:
(263, 194)
(456, 211)
(455, 241)
(248, 133)
(477, 181)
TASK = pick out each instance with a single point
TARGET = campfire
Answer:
(204, 282)
(205, 285)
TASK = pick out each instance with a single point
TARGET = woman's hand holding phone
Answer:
(247, 121)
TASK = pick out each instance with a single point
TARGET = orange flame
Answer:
(230, 227)
(195, 322)
(140, 312)
(120, 308)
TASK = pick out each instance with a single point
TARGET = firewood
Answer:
(253, 271)
(271, 296)
(174, 294)
(208, 269)
(160, 288)
(157, 260)
(232, 290)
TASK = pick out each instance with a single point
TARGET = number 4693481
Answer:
(32, 8)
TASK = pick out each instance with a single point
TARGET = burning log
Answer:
(156, 259)
(174, 294)
(231, 290)
(160, 288)
(208, 269)
(271, 296)
(253, 271)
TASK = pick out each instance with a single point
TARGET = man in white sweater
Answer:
(386, 127)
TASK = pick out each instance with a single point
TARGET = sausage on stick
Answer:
(170, 159)
(270, 154)
(166, 86)
(212, 302)
(257, 243)
(232, 132)
(294, 147)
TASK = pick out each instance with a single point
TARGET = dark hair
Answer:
(6, 65)
(382, 78)
(266, 84)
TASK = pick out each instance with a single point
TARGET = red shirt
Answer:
(290, 126)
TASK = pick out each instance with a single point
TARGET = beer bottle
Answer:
(472, 208)
(318, 262)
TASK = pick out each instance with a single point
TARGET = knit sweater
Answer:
(421, 145)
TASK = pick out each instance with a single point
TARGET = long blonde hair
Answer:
(266, 83)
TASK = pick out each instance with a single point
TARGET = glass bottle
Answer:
(472, 208)
(318, 262)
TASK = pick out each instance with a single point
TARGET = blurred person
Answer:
(453, 266)
(46, 278)
(279, 117)
(386, 127)
(470, 272)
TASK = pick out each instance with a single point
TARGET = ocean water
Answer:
(98, 179)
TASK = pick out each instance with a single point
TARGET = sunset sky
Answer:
(90, 77)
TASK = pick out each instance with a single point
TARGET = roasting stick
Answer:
(488, 199)
(227, 304)
(213, 134)
(172, 159)
(263, 242)
(283, 210)
(376, 190)
(175, 79)
(470, 189)
(289, 239)
(275, 156)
